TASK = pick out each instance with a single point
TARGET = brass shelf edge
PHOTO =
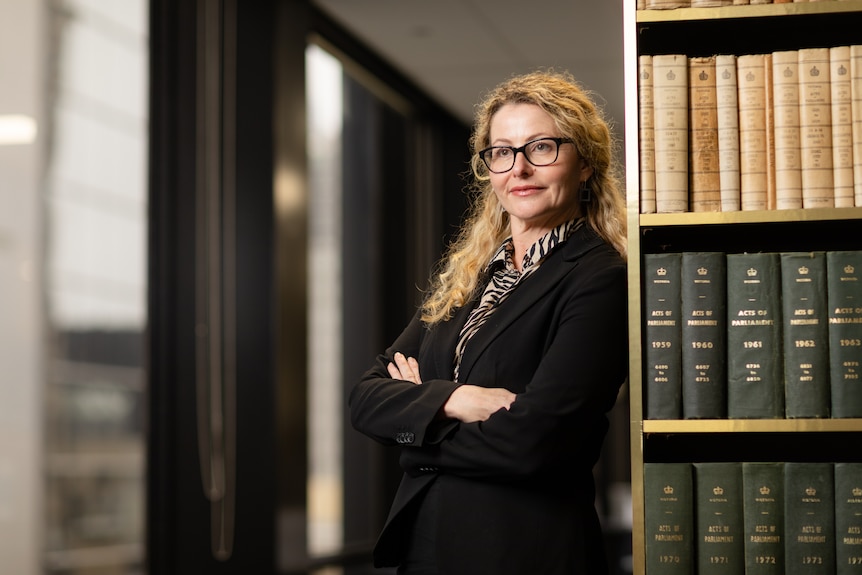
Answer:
(750, 217)
(748, 11)
(658, 426)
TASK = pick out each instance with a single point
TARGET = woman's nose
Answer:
(522, 165)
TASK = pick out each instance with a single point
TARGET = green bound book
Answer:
(763, 511)
(662, 335)
(809, 518)
(806, 334)
(844, 290)
(719, 544)
(704, 331)
(668, 518)
(848, 518)
(755, 378)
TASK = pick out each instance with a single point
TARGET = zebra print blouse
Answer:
(505, 278)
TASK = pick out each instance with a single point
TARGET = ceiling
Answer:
(456, 50)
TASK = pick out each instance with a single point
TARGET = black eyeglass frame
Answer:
(523, 150)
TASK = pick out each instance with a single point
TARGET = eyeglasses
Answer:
(540, 152)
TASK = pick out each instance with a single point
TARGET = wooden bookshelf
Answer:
(698, 32)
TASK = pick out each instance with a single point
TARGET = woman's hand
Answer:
(406, 368)
(469, 403)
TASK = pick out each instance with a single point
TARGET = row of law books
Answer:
(670, 4)
(730, 132)
(753, 518)
(752, 335)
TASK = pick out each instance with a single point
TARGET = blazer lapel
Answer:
(551, 272)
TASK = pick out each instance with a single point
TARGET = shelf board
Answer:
(750, 217)
(750, 425)
(749, 11)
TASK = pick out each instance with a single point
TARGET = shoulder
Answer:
(586, 247)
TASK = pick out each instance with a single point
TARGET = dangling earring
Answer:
(586, 192)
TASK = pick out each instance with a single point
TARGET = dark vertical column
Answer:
(291, 280)
(226, 524)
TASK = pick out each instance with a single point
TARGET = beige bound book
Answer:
(785, 100)
(770, 132)
(667, 4)
(670, 90)
(815, 128)
(751, 79)
(856, 95)
(842, 126)
(727, 111)
(646, 135)
(704, 176)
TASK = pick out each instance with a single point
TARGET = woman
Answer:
(498, 388)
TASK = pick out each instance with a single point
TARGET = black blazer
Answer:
(516, 491)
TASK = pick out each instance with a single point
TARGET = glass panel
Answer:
(73, 221)
(325, 509)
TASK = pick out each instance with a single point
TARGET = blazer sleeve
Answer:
(398, 412)
(559, 421)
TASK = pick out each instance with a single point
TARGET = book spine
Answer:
(844, 294)
(856, 111)
(763, 517)
(719, 542)
(842, 126)
(704, 176)
(668, 518)
(727, 109)
(662, 335)
(667, 4)
(770, 131)
(815, 128)
(809, 518)
(848, 518)
(788, 166)
(806, 334)
(755, 382)
(704, 329)
(752, 131)
(670, 92)
(646, 135)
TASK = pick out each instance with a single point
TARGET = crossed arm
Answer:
(468, 403)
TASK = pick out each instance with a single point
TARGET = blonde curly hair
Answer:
(576, 117)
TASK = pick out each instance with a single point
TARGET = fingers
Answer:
(469, 403)
(404, 368)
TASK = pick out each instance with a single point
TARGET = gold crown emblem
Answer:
(661, 271)
(814, 71)
(842, 71)
(810, 491)
(668, 490)
(788, 72)
(764, 490)
(645, 75)
(718, 490)
(670, 75)
(857, 491)
(750, 76)
(703, 76)
(849, 269)
(702, 271)
(726, 75)
(752, 272)
(803, 270)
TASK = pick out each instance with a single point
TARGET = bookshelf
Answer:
(738, 30)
